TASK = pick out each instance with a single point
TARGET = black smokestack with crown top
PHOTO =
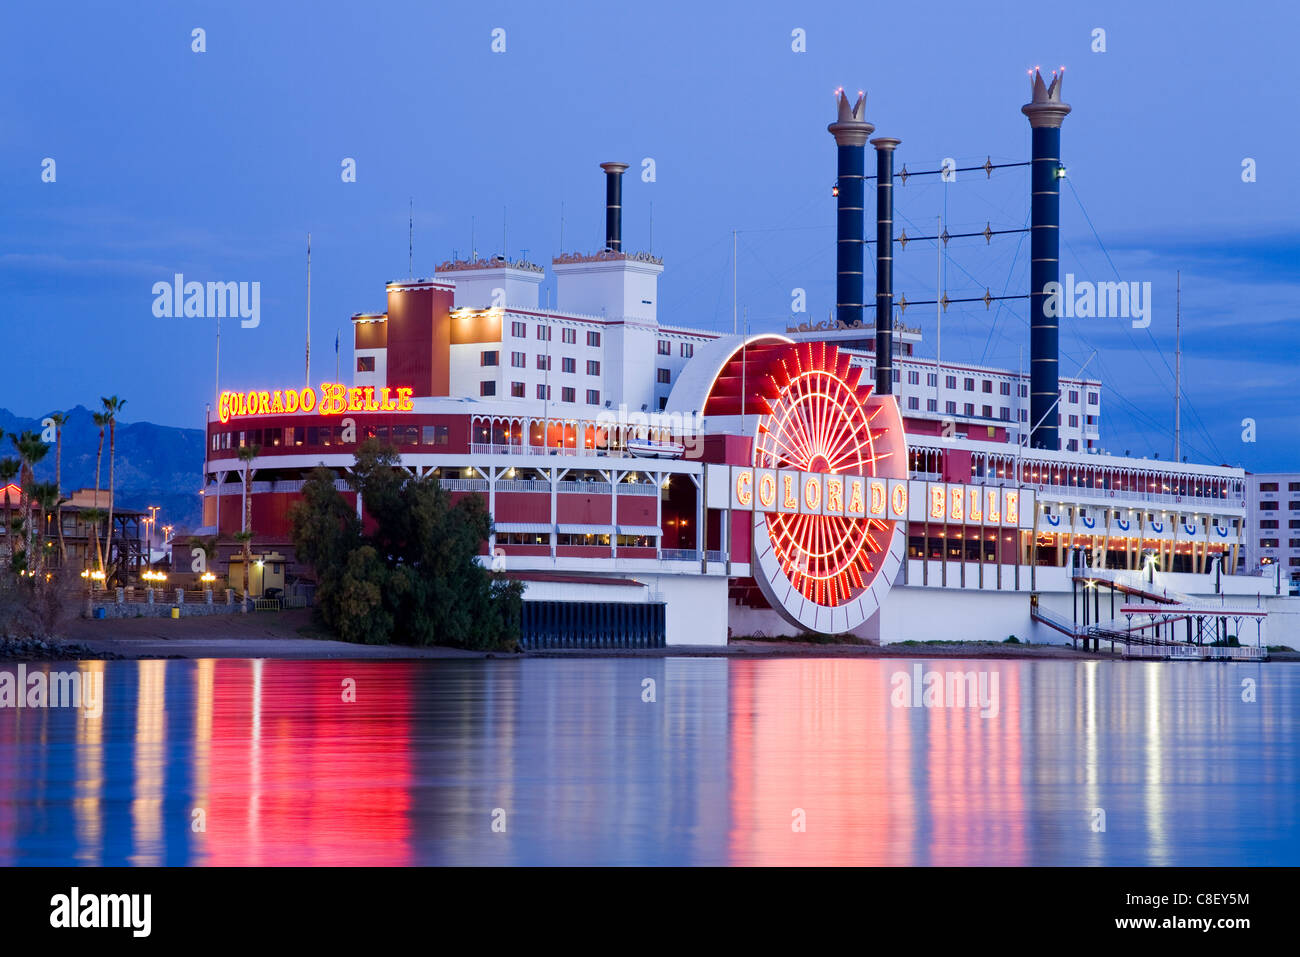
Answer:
(850, 131)
(1045, 111)
(614, 205)
(885, 263)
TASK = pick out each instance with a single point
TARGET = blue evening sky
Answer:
(217, 165)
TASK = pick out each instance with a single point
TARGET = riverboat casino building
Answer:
(654, 483)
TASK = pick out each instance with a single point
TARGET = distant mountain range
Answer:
(156, 464)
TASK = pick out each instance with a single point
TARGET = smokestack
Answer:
(885, 263)
(614, 204)
(1045, 111)
(850, 131)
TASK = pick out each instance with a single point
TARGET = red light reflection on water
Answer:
(877, 785)
(301, 777)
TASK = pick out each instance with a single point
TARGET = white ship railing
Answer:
(590, 488)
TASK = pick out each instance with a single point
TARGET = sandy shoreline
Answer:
(290, 635)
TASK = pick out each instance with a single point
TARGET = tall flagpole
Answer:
(308, 382)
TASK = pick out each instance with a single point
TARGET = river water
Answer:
(656, 761)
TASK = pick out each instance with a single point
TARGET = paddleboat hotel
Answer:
(657, 484)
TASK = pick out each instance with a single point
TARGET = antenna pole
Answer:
(410, 238)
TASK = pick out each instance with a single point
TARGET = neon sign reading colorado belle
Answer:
(814, 493)
(335, 399)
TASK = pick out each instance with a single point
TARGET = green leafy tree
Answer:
(412, 573)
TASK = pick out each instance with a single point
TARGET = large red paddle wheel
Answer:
(816, 413)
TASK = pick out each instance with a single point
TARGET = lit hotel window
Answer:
(517, 390)
(365, 363)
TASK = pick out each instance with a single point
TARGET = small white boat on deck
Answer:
(656, 450)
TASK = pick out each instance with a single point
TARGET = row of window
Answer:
(1272, 543)
(325, 435)
(1271, 523)
(519, 330)
(1272, 486)
(986, 385)
(986, 411)
(519, 360)
(564, 538)
(687, 349)
(1292, 505)
(519, 390)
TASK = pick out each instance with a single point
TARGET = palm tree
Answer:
(30, 450)
(246, 455)
(59, 419)
(209, 546)
(92, 517)
(101, 420)
(46, 497)
(112, 406)
(9, 469)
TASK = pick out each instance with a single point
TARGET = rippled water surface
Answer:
(794, 761)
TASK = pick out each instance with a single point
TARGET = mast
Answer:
(1178, 368)
(733, 282)
(308, 356)
(938, 315)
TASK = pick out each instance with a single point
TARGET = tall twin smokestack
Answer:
(614, 205)
(851, 132)
(1045, 111)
